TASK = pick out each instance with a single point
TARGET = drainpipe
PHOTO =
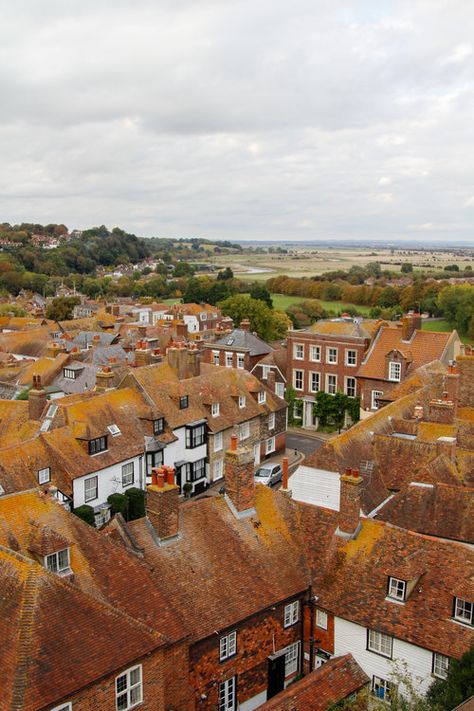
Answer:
(311, 627)
(302, 640)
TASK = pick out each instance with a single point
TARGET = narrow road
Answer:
(303, 443)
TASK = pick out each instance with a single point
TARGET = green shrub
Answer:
(86, 513)
(136, 503)
(118, 504)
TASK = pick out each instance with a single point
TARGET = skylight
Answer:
(114, 430)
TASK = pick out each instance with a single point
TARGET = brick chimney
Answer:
(178, 360)
(194, 361)
(162, 503)
(349, 504)
(36, 399)
(271, 380)
(245, 324)
(410, 323)
(239, 480)
(442, 410)
(142, 354)
(104, 379)
(182, 329)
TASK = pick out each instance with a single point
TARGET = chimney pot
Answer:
(169, 475)
(154, 476)
(233, 443)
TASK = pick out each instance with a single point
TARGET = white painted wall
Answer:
(176, 451)
(316, 486)
(191, 322)
(350, 637)
(109, 481)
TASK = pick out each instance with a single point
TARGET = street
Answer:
(303, 443)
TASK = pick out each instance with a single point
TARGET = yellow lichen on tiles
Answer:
(365, 541)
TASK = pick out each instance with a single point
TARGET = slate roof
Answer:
(338, 678)
(240, 338)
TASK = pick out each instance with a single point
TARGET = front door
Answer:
(276, 675)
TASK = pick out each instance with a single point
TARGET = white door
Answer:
(256, 454)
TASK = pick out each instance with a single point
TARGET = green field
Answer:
(341, 305)
(443, 325)
(282, 302)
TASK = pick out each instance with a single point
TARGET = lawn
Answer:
(341, 305)
(442, 325)
(282, 302)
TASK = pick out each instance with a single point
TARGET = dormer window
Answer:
(69, 373)
(158, 426)
(215, 409)
(396, 589)
(183, 402)
(58, 562)
(44, 475)
(394, 371)
(97, 445)
(242, 401)
(114, 430)
(262, 397)
(464, 611)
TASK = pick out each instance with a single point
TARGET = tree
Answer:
(61, 308)
(458, 686)
(225, 274)
(269, 325)
(406, 268)
(261, 293)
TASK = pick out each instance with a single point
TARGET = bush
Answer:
(118, 504)
(86, 513)
(136, 503)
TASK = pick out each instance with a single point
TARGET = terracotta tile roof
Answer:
(334, 681)
(424, 347)
(278, 357)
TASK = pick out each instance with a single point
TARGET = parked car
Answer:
(268, 474)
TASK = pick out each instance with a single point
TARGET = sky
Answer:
(240, 119)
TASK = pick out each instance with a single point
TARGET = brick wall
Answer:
(366, 385)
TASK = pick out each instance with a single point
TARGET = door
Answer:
(256, 454)
(276, 675)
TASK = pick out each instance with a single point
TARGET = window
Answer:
(351, 357)
(90, 489)
(463, 611)
(44, 475)
(331, 384)
(298, 351)
(217, 470)
(292, 659)
(128, 689)
(242, 401)
(64, 707)
(195, 435)
(183, 402)
(381, 688)
(379, 643)
(229, 360)
(270, 445)
(315, 353)
(440, 665)
(350, 387)
(244, 431)
(69, 373)
(227, 695)
(396, 589)
(240, 360)
(196, 470)
(114, 430)
(314, 382)
(331, 355)
(52, 410)
(321, 619)
(375, 399)
(59, 562)
(262, 397)
(215, 357)
(215, 409)
(203, 316)
(298, 409)
(158, 426)
(227, 646)
(280, 390)
(292, 613)
(394, 371)
(97, 445)
(218, 442)
(298, 379)
(127, 474)
(271, 421)
(265, 371)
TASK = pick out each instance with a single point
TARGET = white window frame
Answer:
(298, 410)
(349, 353)
(242, 401)
(265, 372)
(394, 377)
(387, 687)
(227, 699)
(114, 430)
(464, 611)
(44, 475)
(229, 359)
(312, 376)
(330, 356)
(271, 421)
(315, 354)
(440, 665)
(69, 373)
(291, 614)
(298, 351)
(374, 398)
(54, 564)
(262, 397)
(270, 445)
(244, 431)
(127, 470)
(218, 442)
(380, 643)
(321, 619)
(129, 689)
(240, 361)
(87, 496)
(328, 376)
(292, 659)
(397, 589)
(64, 707)
(228, 646)
(280, 389)
(216, 357)
(218, 470)
(353, 379)
(215, 409)
(297, 373)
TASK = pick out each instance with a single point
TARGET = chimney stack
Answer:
(271, 380)
(182, 329)
(162, 503)
(142, 354)
(245, 324)
(194, 361)
(36, 399)
(104, 379)
(410, 323)
(239, 480)
(349, 504)
(178, 360)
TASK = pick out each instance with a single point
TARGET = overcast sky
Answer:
(250, 119)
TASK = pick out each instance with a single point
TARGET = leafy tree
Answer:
(451, 268)
(458, 686)
(269, 325)
(183, 269)
(61, 308)
(225, 274)
(261, 293)
(389, 297)
(406, 268)
(293, 401)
